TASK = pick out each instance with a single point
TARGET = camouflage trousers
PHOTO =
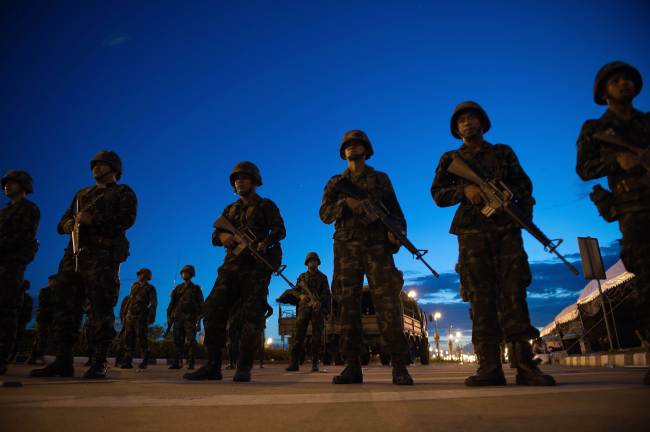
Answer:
(241, 292)
(305, 316)
(184, 331)
(96, 283)
(635, 254)
(136, 328)
(495, 272)
(353, 260)
(11, 295)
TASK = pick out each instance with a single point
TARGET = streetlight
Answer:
(460, 346)
(412, 294)
(436, 335)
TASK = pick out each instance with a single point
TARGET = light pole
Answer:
(436, 335)
(450, 343)
(460, 346)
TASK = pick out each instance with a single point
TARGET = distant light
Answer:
(437, 316)
(269, 341)
(430, 349)
(412, 294)
(458, 335)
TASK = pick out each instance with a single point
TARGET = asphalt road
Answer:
(158, 400)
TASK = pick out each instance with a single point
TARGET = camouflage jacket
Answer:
(493, 162)
(142, 302)
(45, 306)
(262, 218)
(597, 159)
(124, 307)
(350, 226)
(18, 226)
(113, 210)
(318, 285)
(186, 303)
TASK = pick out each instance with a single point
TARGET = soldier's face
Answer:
(142, 278)
(186, 276)
(244, 185)
(620, 87)
(101, 170)
(355, 150)
(312, 264)
(469, 125)
(12, 189)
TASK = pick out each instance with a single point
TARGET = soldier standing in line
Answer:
(100, 214)
(310, 310)
(24, 317)
(365, 248)
(617, 146)
(140, 313)
(18, 225)
(242, 280)
(43, 323)
(183, 312)
(494, 268)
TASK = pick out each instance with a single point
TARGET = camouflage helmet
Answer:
(600, 83)
(20, 177)
(356, 135)
(111, 158)
(188, 268)
(312, 256)
(464, 107)
(147, 273)
(247, 168)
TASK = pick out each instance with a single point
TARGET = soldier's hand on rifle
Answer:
(227, 239)
(473, 194)
(261, 246)
(302, 298)
(627, 161)
(68, 226)
(354, 204)
(84, 218)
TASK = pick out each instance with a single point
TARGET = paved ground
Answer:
(156, 399)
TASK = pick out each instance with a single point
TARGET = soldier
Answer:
(24, 317)
(242, 281)
(18, 224)
(365, 248)
(140, 313)
(118, 344)
(100, 214)
(616, 85)
(43, 323)
(494, 268)
(183, 312)
(311, 310)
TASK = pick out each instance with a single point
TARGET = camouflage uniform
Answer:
(305, 314)
(103, 247)
(629, 202)
(242, 282)
(24, 317)
(140, 313)
(43, 324)
(119, 346)
(494, 270)
(184, 310)
(18, 246)
(363, 249)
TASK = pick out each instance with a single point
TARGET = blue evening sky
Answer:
(184, 90)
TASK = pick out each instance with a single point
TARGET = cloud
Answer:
(552, 289)
(115, 39)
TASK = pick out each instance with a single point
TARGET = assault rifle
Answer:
(376, 210)
(610, 137)
(246, 241)
(496, 195)
(74, 236)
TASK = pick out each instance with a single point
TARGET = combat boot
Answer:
(293, 367)
(489, 372)
(401, 375)
(314, 363)
(244, 365)
(352, 373)
(145, 362)
(190, 363)
(176, 364)
(209, 371)
(128, 363)
(62, 366)
(99, 366)
(527, 371)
